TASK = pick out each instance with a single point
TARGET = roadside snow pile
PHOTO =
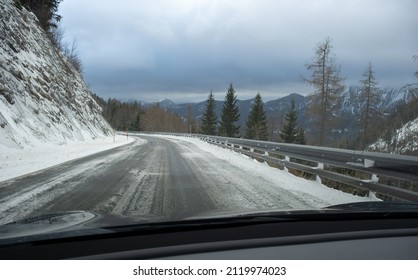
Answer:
(43, 99)
(18, 162)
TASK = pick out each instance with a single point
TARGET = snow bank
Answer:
(17, 162)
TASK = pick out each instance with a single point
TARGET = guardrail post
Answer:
(286, 159)
(320, 167)
(372, 195)
(374, 179)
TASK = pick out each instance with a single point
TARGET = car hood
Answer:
(80, 223)
(65, 224)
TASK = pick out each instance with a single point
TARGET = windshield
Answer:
(152, 111)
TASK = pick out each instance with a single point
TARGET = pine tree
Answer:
(257, 122)
(328, 86)
(290, 131)
(136, 126)
(209, 118)
(230, 115)
(300, 136)
(45, 11)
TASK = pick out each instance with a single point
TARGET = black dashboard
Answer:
(323, 236)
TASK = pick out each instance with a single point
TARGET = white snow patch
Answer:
(16, 162)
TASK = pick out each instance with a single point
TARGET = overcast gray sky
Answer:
(181, 49)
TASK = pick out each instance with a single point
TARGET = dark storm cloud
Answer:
(182, 49)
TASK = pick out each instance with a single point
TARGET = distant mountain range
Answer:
(351, 105)
(197, 108)
(348, 115)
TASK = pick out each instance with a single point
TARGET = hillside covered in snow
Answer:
(401, 141)
(43, 99)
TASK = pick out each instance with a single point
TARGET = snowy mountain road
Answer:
(157, 177)
(132, 180)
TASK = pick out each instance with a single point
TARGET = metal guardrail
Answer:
(375, 164)
(313, 159)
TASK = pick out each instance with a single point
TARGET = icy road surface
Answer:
(164, 176)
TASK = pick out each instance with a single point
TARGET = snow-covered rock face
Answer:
(42, 97)
(402, 141)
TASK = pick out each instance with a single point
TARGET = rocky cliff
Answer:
(42, 97)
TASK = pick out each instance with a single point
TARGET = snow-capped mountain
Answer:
(388, 98)
(166, 103)
(42, 97)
